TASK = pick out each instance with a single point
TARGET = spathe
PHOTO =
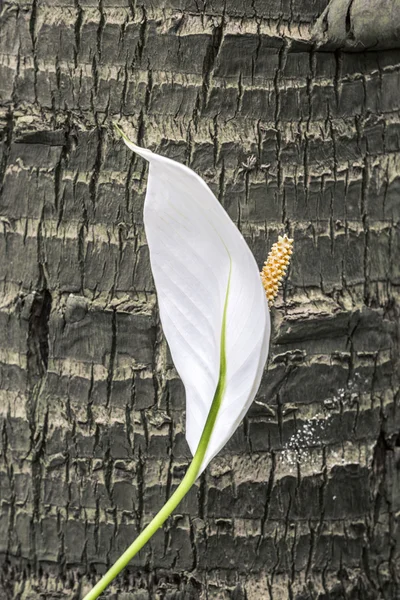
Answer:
(203, 270)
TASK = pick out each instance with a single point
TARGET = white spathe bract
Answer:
(194, 250)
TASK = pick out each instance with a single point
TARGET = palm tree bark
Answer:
(294, 134)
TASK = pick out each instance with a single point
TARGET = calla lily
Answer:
(213, 310)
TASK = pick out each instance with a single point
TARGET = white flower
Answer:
(214, 313)
(213, 307)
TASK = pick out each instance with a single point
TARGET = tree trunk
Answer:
(292, 137)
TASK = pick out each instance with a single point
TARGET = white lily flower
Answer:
(214, 313)
(213, 307)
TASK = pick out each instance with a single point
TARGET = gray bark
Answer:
(358, 25)
(303, 502)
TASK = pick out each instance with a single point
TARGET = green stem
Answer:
(186, 483)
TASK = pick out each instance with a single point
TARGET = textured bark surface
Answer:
(302, 502)
(358, 25)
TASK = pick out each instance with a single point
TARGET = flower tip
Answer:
(120, 132)
(118, 129)
(143, 152)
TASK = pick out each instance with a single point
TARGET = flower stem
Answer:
(186, 483)
(163, 514)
